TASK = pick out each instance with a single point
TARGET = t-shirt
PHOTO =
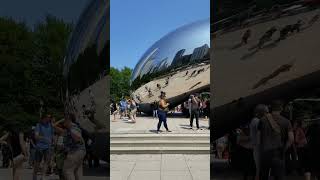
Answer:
(254, 131)
(46, 131)
(271, 140)
(123, 105)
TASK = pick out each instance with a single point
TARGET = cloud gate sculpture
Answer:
(279, 60)
(86, 68)
(177, 64)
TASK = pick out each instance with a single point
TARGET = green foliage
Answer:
(31, 68)
(120, 83)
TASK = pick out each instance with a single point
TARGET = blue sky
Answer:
(33, 11)
(136, 24)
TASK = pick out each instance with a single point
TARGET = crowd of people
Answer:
(50, 147)
(195, 107)
(272, 145)
(126, 108)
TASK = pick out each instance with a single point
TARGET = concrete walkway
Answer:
(160, 167)
(149, 125)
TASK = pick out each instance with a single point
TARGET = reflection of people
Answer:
(44, 136)
(246, 36)
(221, 145)
(162, 112)
(276, 136)
(16, 141)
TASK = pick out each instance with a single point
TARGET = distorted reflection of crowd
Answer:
(270, 145)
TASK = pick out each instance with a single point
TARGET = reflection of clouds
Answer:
(187, 37)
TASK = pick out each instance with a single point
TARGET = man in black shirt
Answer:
(276, 136)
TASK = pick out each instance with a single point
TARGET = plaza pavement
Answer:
(160, 167)
(148, 125)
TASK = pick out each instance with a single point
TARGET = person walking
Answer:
(276, 136)
(15, 139)
(260, 111)
(155, 107)
(123, 108)
(133, 110)
(194, 103)
(162, 112)
(44, 137)
(74, 146)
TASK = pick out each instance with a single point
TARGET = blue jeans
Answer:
(162, 118)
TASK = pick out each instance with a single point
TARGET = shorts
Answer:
(42, 154)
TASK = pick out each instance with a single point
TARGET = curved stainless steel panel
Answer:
(279, 60)
(176, 58)
(86, 68)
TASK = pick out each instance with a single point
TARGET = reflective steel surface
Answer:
(186, 45)
(267, 54)
(176, 64)
(86, 68)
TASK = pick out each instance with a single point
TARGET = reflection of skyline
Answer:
(177, 45)
(198, 54)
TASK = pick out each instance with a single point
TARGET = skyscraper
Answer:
(199, 53)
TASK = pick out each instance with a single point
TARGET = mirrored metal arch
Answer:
(180, 51)
(86, 67)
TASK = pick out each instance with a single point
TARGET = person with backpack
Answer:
(74, 147)
(276, 136)
(44, 134)
(194, 103)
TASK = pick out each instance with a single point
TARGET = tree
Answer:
(31, 68)
(120, 83)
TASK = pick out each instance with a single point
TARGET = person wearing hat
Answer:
(162, 112)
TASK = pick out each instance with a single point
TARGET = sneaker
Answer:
(158, 132)
(169, 131)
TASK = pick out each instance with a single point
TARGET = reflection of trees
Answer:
(88, 68)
